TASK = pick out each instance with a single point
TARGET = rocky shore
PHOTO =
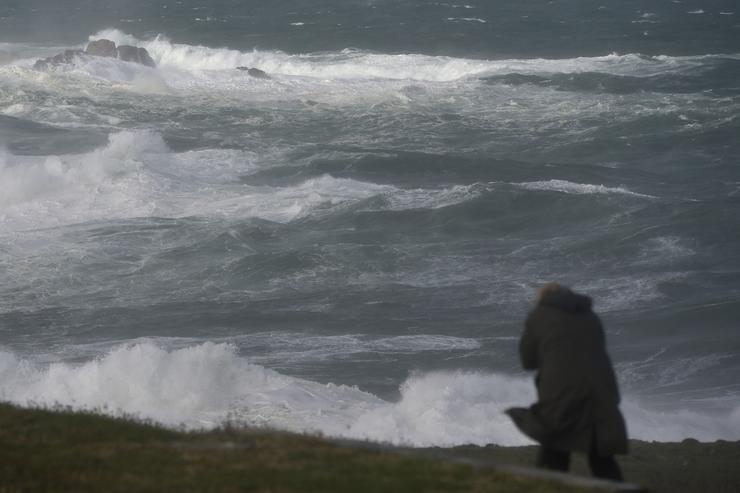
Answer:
(105, 48)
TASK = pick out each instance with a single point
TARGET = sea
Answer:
(350, 246)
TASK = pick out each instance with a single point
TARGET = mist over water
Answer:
(350, 247)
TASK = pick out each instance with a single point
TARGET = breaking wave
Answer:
(356, 64)
(578, 188)
(205, 385)
(137, 175)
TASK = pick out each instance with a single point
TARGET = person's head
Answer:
(549, 289)
(559, 296)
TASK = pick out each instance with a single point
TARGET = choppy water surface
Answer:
(351, 246)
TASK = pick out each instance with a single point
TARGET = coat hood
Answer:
(567, 300)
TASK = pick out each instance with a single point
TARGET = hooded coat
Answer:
(578, 397)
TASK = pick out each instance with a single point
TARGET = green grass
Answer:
(42, 450)
(62, 450)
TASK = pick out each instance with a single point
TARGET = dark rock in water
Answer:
(137, 55)
(107, 48)
(61, 59)
(102, 47)
(255, 72)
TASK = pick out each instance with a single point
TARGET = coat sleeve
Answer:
(609, 366)
(528, 346)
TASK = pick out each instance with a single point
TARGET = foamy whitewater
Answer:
(350, 246)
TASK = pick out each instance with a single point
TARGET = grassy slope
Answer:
(67, 451)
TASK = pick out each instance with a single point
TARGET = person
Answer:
(577, 408)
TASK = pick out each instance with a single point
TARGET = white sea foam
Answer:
(466, 19)
(678, 424)
(353, 64)
(435, 198)
(206, 384)
(668, 371)
(24, 178)
(664, 249)
(347, 64)
(578, 188)
(289, 348)
(626, 292)
(136, 175)
(347, 78)
(124, 75)
(325, 194)
(51, 190)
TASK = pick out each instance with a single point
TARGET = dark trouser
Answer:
(601, 467)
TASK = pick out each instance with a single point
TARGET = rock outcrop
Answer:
(102, 47)
(255, 72)
(137, 55)
(66, 57)
(99, 48)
